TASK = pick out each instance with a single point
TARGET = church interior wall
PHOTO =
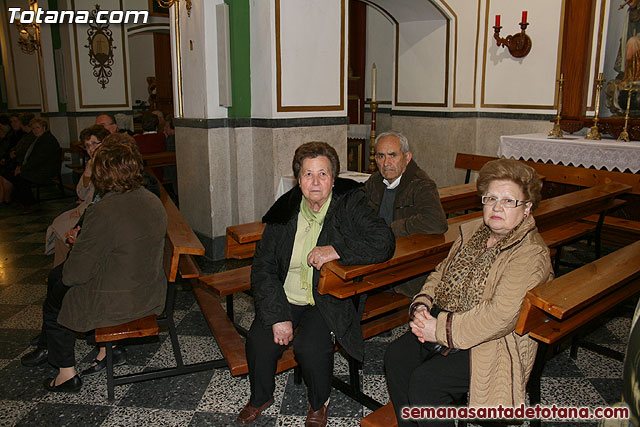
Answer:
(141, 48)
(21, 70)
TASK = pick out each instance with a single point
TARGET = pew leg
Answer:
(110, 382)
(230, 307)
(556, 261)
(173, 335)
(598, 235)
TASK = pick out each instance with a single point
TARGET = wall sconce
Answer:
(29, 34)
(168, 3)
(519, 44)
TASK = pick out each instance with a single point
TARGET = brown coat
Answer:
(115, 267)
(416, 208)
(501, 360)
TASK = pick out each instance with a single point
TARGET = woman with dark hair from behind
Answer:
(114, 271)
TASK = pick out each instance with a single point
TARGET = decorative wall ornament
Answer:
(168, 3)
(29, 34)
(100, 49)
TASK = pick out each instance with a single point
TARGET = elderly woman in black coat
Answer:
(322, 219)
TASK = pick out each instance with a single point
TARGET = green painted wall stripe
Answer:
(240, 48)
(56, 42)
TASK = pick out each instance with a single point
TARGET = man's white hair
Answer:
(404, 142)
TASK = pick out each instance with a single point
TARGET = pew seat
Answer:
(180, 246)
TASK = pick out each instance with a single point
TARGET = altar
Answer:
(573, 150)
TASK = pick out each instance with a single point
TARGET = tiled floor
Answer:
(211, 398)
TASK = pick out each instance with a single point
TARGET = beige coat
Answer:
(501, 360)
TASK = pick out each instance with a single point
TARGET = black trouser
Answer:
(22, 191)
(58, 340)
(313, 347)
(418, 377)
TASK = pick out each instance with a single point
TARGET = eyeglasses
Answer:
(90, 144)
(507, 203)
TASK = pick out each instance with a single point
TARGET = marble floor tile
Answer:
(148, 417)
(63, 414)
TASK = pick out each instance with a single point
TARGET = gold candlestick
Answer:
(556, 132)
(594, 133)
(372, 139)
(624, 135)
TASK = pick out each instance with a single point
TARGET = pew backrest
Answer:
(573, 175)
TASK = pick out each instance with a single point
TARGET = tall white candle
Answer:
(374, 78)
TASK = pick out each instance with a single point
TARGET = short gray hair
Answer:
(404, 142)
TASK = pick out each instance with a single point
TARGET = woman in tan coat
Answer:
(462, 337)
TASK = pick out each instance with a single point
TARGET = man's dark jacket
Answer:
(44, 161)
(416, 208)
(357, 234)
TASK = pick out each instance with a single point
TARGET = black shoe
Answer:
(34, 358)
(72, 385)
(119, 358)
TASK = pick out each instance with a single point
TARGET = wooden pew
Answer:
(180, 245)
(573, 175)
(165, 158)
(383, 417)
(241, 239)
(556, 311)
(419, 253)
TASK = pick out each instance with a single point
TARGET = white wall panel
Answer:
(422, 62)
(527, 82)
(381, 41)
(310, 40)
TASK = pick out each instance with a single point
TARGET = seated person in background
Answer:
(170, 133)
(322, 219)
(41, 162)
(462, 337)
(22, 140)
(16, 128)
(55, 241)
(404, 195)
(170, 173)
(6, 145)
(114, 272)
(107, 121)
(150, 141)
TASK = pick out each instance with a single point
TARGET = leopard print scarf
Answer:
(463, 283)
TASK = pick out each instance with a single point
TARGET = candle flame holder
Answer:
(519, 44)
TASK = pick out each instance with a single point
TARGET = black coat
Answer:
(357, 234)
(44, 161)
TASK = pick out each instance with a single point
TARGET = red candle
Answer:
(497, 20)
(524, 16)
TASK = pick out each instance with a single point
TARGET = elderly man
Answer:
(404, 196)
(107, 121)
(401, 192)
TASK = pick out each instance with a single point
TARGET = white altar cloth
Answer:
(573, 151)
